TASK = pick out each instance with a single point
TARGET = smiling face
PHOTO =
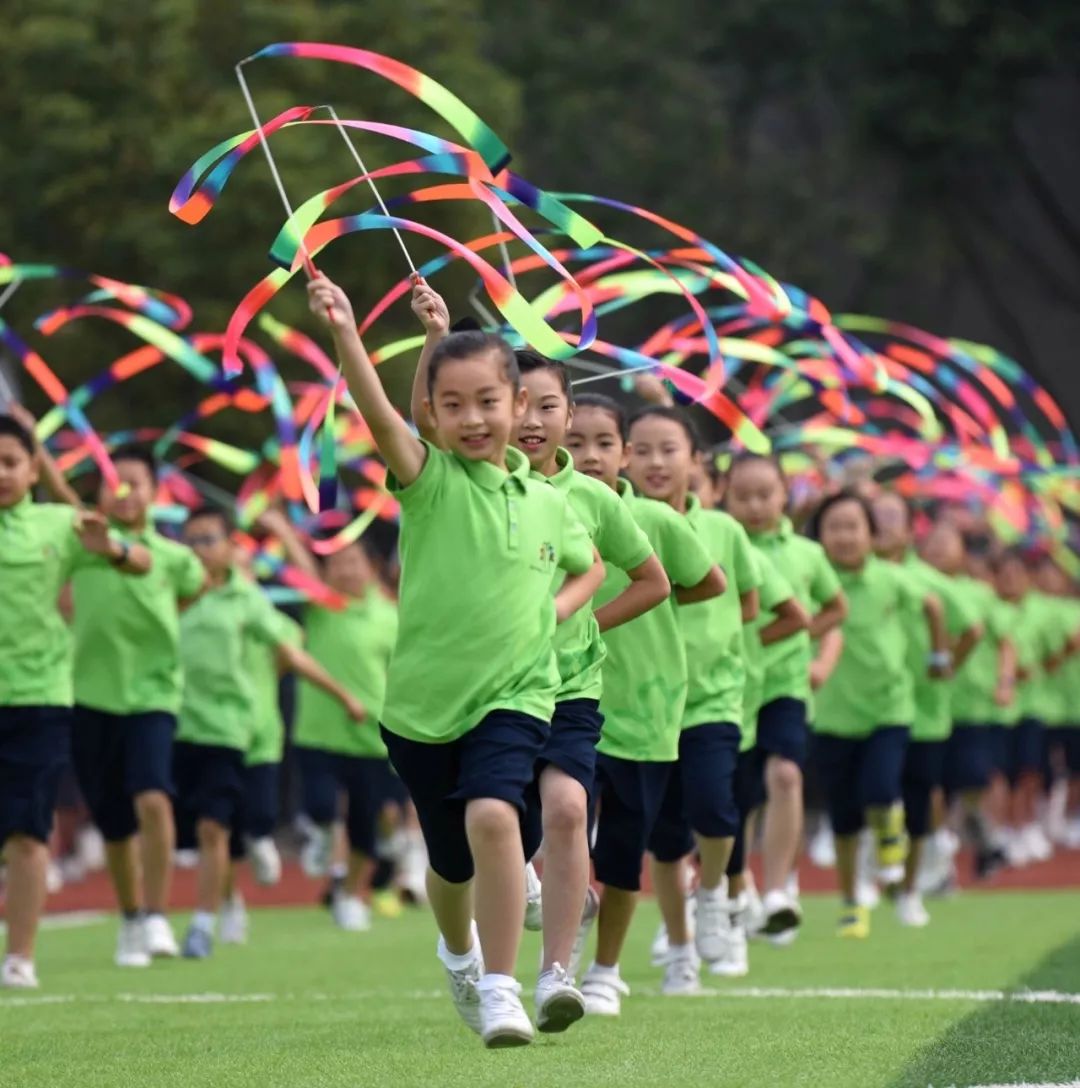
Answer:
(596, 444)
(845, 534)
(547, 415)
(208, 537)
(131, 503)
(661, 459)
(943, 549)
(475, 407)
(18, 471)
(756, 495)
(349, 570)
(1012, 578)
(893, 535)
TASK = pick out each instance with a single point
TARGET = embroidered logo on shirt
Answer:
(545, 558)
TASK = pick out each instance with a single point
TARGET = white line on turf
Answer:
(1028, 997)
(71, 919)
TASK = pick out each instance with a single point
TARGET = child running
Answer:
(699, 804)
(924, 760)
(473, 678)
(756, 496)
(41, 545)
(644, 694)
(866, 707)
(218, 708)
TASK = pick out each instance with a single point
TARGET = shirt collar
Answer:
(851, 577)
(564, 474)
(693, 505)
(784, 531)
(624, 488)
(19, 509)
(491, 477)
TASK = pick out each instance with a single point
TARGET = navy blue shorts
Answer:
(368, 782)
(749, 795)
(1069, 736)
(1025, 749)
(35, 745)
(209, 786)
(997, 740)
(700, 796)
(782, 730)
(860, 773)
(629, 794)
(924, 765)
(495, 759)
(969, 758)
(117, 757)
(258, 814)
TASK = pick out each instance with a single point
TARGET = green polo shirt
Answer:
(1045, 624)
(712, 630)
(807, 569)
(774, 590)
(872, 685)
(479, 550)
(354, 645)
(219, 701)
(933, 697)
(267, 725)
(38, 551)
(127, 630)
(644, 672)
(616, 536)
(1067, 678)
(976, 680)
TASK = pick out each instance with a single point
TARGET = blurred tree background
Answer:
(915, 159)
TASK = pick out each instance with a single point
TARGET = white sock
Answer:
(204, 920)
(454, 962)
(713, 893)
(602, 970)
(681, 951)
(493, 981)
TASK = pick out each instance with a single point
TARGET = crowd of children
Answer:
(605, 654)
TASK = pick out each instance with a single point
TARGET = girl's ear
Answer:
(624, 461)
(521, 402)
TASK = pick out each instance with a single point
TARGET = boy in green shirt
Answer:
(40, 547)
(218, 708)
(699, 803)
(865, 709)
(472, 681)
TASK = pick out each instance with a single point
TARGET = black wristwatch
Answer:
(122, 558)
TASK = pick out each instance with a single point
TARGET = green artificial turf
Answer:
(315, 1008)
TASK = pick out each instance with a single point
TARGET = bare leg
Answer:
(494, 833)
(213, 864)
(911, 865)
(715, 855)
(123, 861)
(669, 884)
(27, 862)
(847, 852)
(783, 819)
(565, 878)
(358, 875)
(157, 838)
(616, 913)
(452, 906)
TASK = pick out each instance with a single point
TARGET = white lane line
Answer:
(71, 919)
(754, 993)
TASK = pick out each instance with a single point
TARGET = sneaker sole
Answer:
(506, 1039)
(728, 972)
(781, 921)
(558, 1014)
(132, 964)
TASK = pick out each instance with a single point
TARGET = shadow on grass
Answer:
(1010, 1042)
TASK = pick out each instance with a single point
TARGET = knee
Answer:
(153, 806)
(564, 815)
(211, 833)
(783, 776)
(489, 820)
(22, 849)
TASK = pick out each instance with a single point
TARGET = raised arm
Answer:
(402, 451)
(429, 307)
(276, 522)
(93, 531)
(51, 475)
(293, 659)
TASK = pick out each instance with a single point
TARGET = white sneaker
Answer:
(265, 860)
(753, 912)
(18, 973)
(713, 923)
(350, 913)
(910, 910)
(782, 913)
(186, 859)
(681, 974)
(603, 992)
(559, 1003)
(867, 894)
(588, 918)
(463, 982)
(822, 848)
(735, 962)
(1072, 833)
(160, 939)
(233, 921)
(503, 1020)
(414, 865)
(661, 946)
(316, 852)
(534, 906)
(1016, 849)
(1038, 845)
(54, 878)
(131, 949)
(90, 849)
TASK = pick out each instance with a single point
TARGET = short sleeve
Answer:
(428, 484)
(619, 539)
(959, 614)
(746, 571)
(684, 556)
(575, 547)
(775, 588)
(264, 622)
(61, 535)
(824, 584)
(186, 572)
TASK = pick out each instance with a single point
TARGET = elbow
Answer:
(718, 580)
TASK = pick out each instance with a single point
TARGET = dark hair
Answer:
(813, 527)
(139, 454)
(676, 415)
(12, 428)
(209, 511)
(529, 360)
(749, 457)
(468, 344)
(604, 404)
